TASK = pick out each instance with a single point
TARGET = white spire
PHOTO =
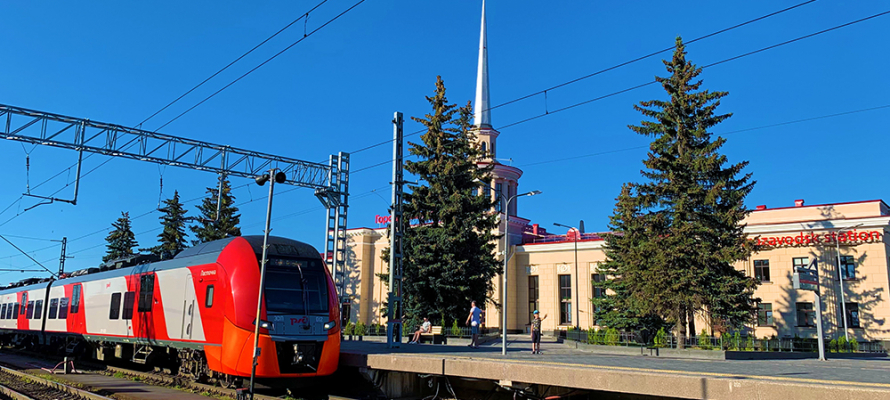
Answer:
(481, 114)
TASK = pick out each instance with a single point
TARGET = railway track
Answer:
(19, 385)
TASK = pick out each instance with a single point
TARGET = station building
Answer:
(558, 275)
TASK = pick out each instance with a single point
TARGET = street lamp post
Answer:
(577, 287)
(506, 211)
(840, 278)
(272, 176)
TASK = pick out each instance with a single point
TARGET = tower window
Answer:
(483, 148)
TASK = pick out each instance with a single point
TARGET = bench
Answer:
(435, 336)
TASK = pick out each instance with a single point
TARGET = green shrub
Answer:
(408, 326)
(347, 330)
(842, 344)
(377, 329)
(704, 341)
(832, 346)
(749, 344)
(360, 328)
(455, 330)
(612, 337)
(661, 338)
(854, 345)
(591, 336)
(737, 339)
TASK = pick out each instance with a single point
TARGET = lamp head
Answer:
(262, 179)
(280, 177)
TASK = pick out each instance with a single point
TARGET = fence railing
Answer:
(742, 343)
(461, 332)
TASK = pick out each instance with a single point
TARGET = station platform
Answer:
(562, 366)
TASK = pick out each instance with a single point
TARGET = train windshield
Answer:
(285, 292)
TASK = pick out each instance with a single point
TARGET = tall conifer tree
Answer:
(693, 203)
(450, 255)
(121, 239)
(210, 227)
(172, 239)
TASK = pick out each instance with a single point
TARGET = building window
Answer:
(208, 301)
(484, 150)
(848, 267)
(565, 299)
(114, 310)
(499, 190)
(129, 301)
(533, 296)
(146, 292)
(599, 291)
(53, 309)
(761, 270)
(765, 314)
(75, 299)
(805, 314)
(63, 308)
(800, 262)
(853, 315)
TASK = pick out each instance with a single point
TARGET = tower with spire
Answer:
(504, 178)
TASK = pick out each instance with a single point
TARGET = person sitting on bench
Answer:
(425, 328)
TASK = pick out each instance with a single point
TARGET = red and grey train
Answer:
(194, 313)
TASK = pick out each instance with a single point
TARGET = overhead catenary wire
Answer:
(305, 15)
(262, 64)
(28, 255)
(616, 66)
(551, 112)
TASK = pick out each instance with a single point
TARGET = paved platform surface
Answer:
(121, 388)
(787, 379)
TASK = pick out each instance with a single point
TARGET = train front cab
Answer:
(300, 303)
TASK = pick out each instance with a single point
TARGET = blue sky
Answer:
(120, 62)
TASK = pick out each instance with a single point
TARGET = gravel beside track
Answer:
(33, 389)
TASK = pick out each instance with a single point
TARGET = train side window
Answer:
(146, 292)
(129, 301)
(16, 312)
(75, 299)
(208, 301)
(63, 308)
(38, 309)
(24, 302)
(114, 311)
(53, 309)
(30, 313)
(3, 311)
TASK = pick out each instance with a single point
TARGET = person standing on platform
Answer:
(536, 332)
(474, 320)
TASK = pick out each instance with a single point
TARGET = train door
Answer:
(189, 308)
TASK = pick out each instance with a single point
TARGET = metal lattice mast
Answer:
(62, 258)
(396, 234)
(336, 199)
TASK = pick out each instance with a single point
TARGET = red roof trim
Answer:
(820, 205)
(565, 241)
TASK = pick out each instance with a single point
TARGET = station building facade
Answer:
(543, 274)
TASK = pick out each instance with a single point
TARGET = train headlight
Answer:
(330, 325)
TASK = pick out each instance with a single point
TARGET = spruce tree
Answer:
(629, 251)
(694, 200)
(172, 239)
(121, 239)
(210, 227)
(449, 256)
